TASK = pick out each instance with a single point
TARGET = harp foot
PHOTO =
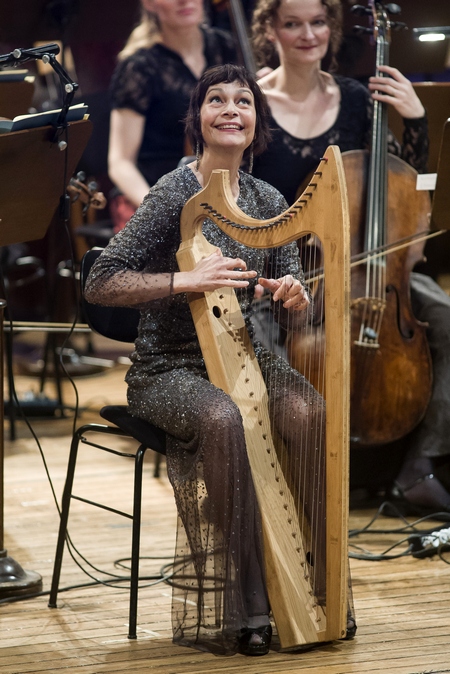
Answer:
(351, 628)
(255, 640)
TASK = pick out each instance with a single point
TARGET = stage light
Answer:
(432, 34)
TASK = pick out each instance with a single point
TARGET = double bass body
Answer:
(390, 361)
(390, 378)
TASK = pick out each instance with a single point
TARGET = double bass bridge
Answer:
(371, 310)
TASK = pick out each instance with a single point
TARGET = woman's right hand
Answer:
(213, 272)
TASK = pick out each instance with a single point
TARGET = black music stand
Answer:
(440, 208)
(33, 166)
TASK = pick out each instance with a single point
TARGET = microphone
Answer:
(21, 55)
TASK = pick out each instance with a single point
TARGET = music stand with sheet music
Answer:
(440, 207)
(35, 167)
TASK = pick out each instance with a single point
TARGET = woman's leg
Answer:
(220, 572)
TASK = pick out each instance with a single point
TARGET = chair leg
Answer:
(65, 505)
(136, 539)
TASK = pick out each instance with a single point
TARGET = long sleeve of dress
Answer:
(146, 250)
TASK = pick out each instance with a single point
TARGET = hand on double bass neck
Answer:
(396, 90)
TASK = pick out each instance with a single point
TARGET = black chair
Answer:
(119, 324)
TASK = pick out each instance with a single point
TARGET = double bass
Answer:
(391, 374)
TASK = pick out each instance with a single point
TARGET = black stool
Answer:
(121, 324)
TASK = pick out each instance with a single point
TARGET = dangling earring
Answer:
(250, 159)
(197, 156)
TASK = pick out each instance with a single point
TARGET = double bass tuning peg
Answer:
(362, 29)
(393, 9)
(399, 25)
(360, 10)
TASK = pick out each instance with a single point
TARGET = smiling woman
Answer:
(228, 117)
(219, 534)
(221, 104)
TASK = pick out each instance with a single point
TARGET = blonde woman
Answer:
(158, 69)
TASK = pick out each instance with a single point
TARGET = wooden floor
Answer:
(402, 606)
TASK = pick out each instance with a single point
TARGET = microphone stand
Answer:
(47, 54)
(14, 580)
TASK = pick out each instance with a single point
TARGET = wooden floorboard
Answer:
(402, 605)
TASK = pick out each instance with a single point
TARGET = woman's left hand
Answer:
(287, 289)
(398, 91)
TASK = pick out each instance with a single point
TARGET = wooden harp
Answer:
(321, 211)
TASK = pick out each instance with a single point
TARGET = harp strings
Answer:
(303, 460)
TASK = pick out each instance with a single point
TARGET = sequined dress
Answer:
(219, 580)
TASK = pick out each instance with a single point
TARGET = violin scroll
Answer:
(88, 193)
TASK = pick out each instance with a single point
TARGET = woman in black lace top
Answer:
(150, 90)
(312, 109)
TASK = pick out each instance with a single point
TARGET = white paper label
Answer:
(426, 181)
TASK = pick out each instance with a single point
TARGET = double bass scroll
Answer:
(301, 615)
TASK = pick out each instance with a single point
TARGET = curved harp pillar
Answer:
(300, 615)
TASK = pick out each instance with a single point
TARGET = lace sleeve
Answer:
(132, 83)
(414, 149)
(415, 143)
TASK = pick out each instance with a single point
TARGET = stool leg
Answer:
(65, 505)
(136, 539)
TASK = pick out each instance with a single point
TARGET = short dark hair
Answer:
(227, 74)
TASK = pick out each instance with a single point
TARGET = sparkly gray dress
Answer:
(219, 580)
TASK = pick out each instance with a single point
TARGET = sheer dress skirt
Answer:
(219, 570)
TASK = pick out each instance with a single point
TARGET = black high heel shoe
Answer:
(398, 497)
(255, 640)
(350, 632)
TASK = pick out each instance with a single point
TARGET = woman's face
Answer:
(176, 14)
(228, 117)
(300, 31)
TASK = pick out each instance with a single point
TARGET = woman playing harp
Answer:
(224, 605)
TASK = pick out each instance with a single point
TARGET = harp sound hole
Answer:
(309, 558)
(216, 311)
